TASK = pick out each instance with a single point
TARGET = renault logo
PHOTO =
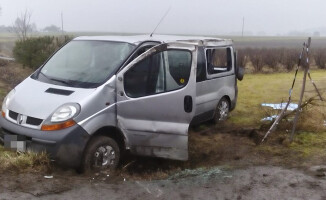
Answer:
(20, 119)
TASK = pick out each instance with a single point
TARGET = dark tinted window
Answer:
(161, 72)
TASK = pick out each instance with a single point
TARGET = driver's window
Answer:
(161, 72)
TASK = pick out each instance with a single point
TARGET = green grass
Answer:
(256, 89)
(310, 144)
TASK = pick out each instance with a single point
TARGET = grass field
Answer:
(256, 89)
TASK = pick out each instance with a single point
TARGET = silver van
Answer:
(98, 97)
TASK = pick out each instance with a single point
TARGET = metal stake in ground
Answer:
(306, 69)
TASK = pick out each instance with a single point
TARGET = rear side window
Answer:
(158, 73)
(218, 60)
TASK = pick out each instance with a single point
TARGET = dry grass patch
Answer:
(23, 162)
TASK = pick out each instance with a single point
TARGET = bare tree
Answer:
(23, 25)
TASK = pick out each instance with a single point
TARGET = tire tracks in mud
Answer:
(260, 182)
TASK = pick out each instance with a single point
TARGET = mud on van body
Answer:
(99, 96)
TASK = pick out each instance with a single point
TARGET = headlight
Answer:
(6, 101)
(62, 118)
(65, 112)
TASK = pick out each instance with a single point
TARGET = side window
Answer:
(218, 60)
(158, 73)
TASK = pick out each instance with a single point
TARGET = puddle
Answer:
(280, 106)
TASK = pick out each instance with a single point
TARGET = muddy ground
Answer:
(260, 182)
(225, 164)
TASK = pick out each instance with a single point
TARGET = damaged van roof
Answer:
(137, 39)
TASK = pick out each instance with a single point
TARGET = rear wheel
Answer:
(221, 111)
(102, 153)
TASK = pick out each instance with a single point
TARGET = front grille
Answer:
(29, 120)
(13, 115)
(33, 121)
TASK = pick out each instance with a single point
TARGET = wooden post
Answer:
(315, 86)
(62, 32)
(306, 71)
(306, 47)
(300, 102)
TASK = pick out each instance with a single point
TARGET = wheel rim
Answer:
(223, 109)
(104, 157)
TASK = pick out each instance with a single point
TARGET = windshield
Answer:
(85, 63)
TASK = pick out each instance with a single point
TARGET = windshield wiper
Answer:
(61, 81)
(53, 79)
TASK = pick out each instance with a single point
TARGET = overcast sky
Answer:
(209, 17)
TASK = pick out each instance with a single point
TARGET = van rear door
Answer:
(156, 100)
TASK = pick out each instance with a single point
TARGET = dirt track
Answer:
(264, 182)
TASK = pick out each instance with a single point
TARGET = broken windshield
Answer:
(85, 63)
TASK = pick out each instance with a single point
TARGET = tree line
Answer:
(277, 59)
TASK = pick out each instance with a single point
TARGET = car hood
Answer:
(31, 98)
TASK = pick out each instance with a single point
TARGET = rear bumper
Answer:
(65, 146)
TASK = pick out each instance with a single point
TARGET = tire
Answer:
(102, 153)
(221, 111)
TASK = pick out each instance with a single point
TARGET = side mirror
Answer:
(240, 73)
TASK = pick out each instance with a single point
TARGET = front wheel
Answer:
(102, 153)
(221, 111)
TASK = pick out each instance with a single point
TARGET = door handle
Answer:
(188, 104)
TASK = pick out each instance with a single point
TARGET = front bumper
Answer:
(65, 146)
